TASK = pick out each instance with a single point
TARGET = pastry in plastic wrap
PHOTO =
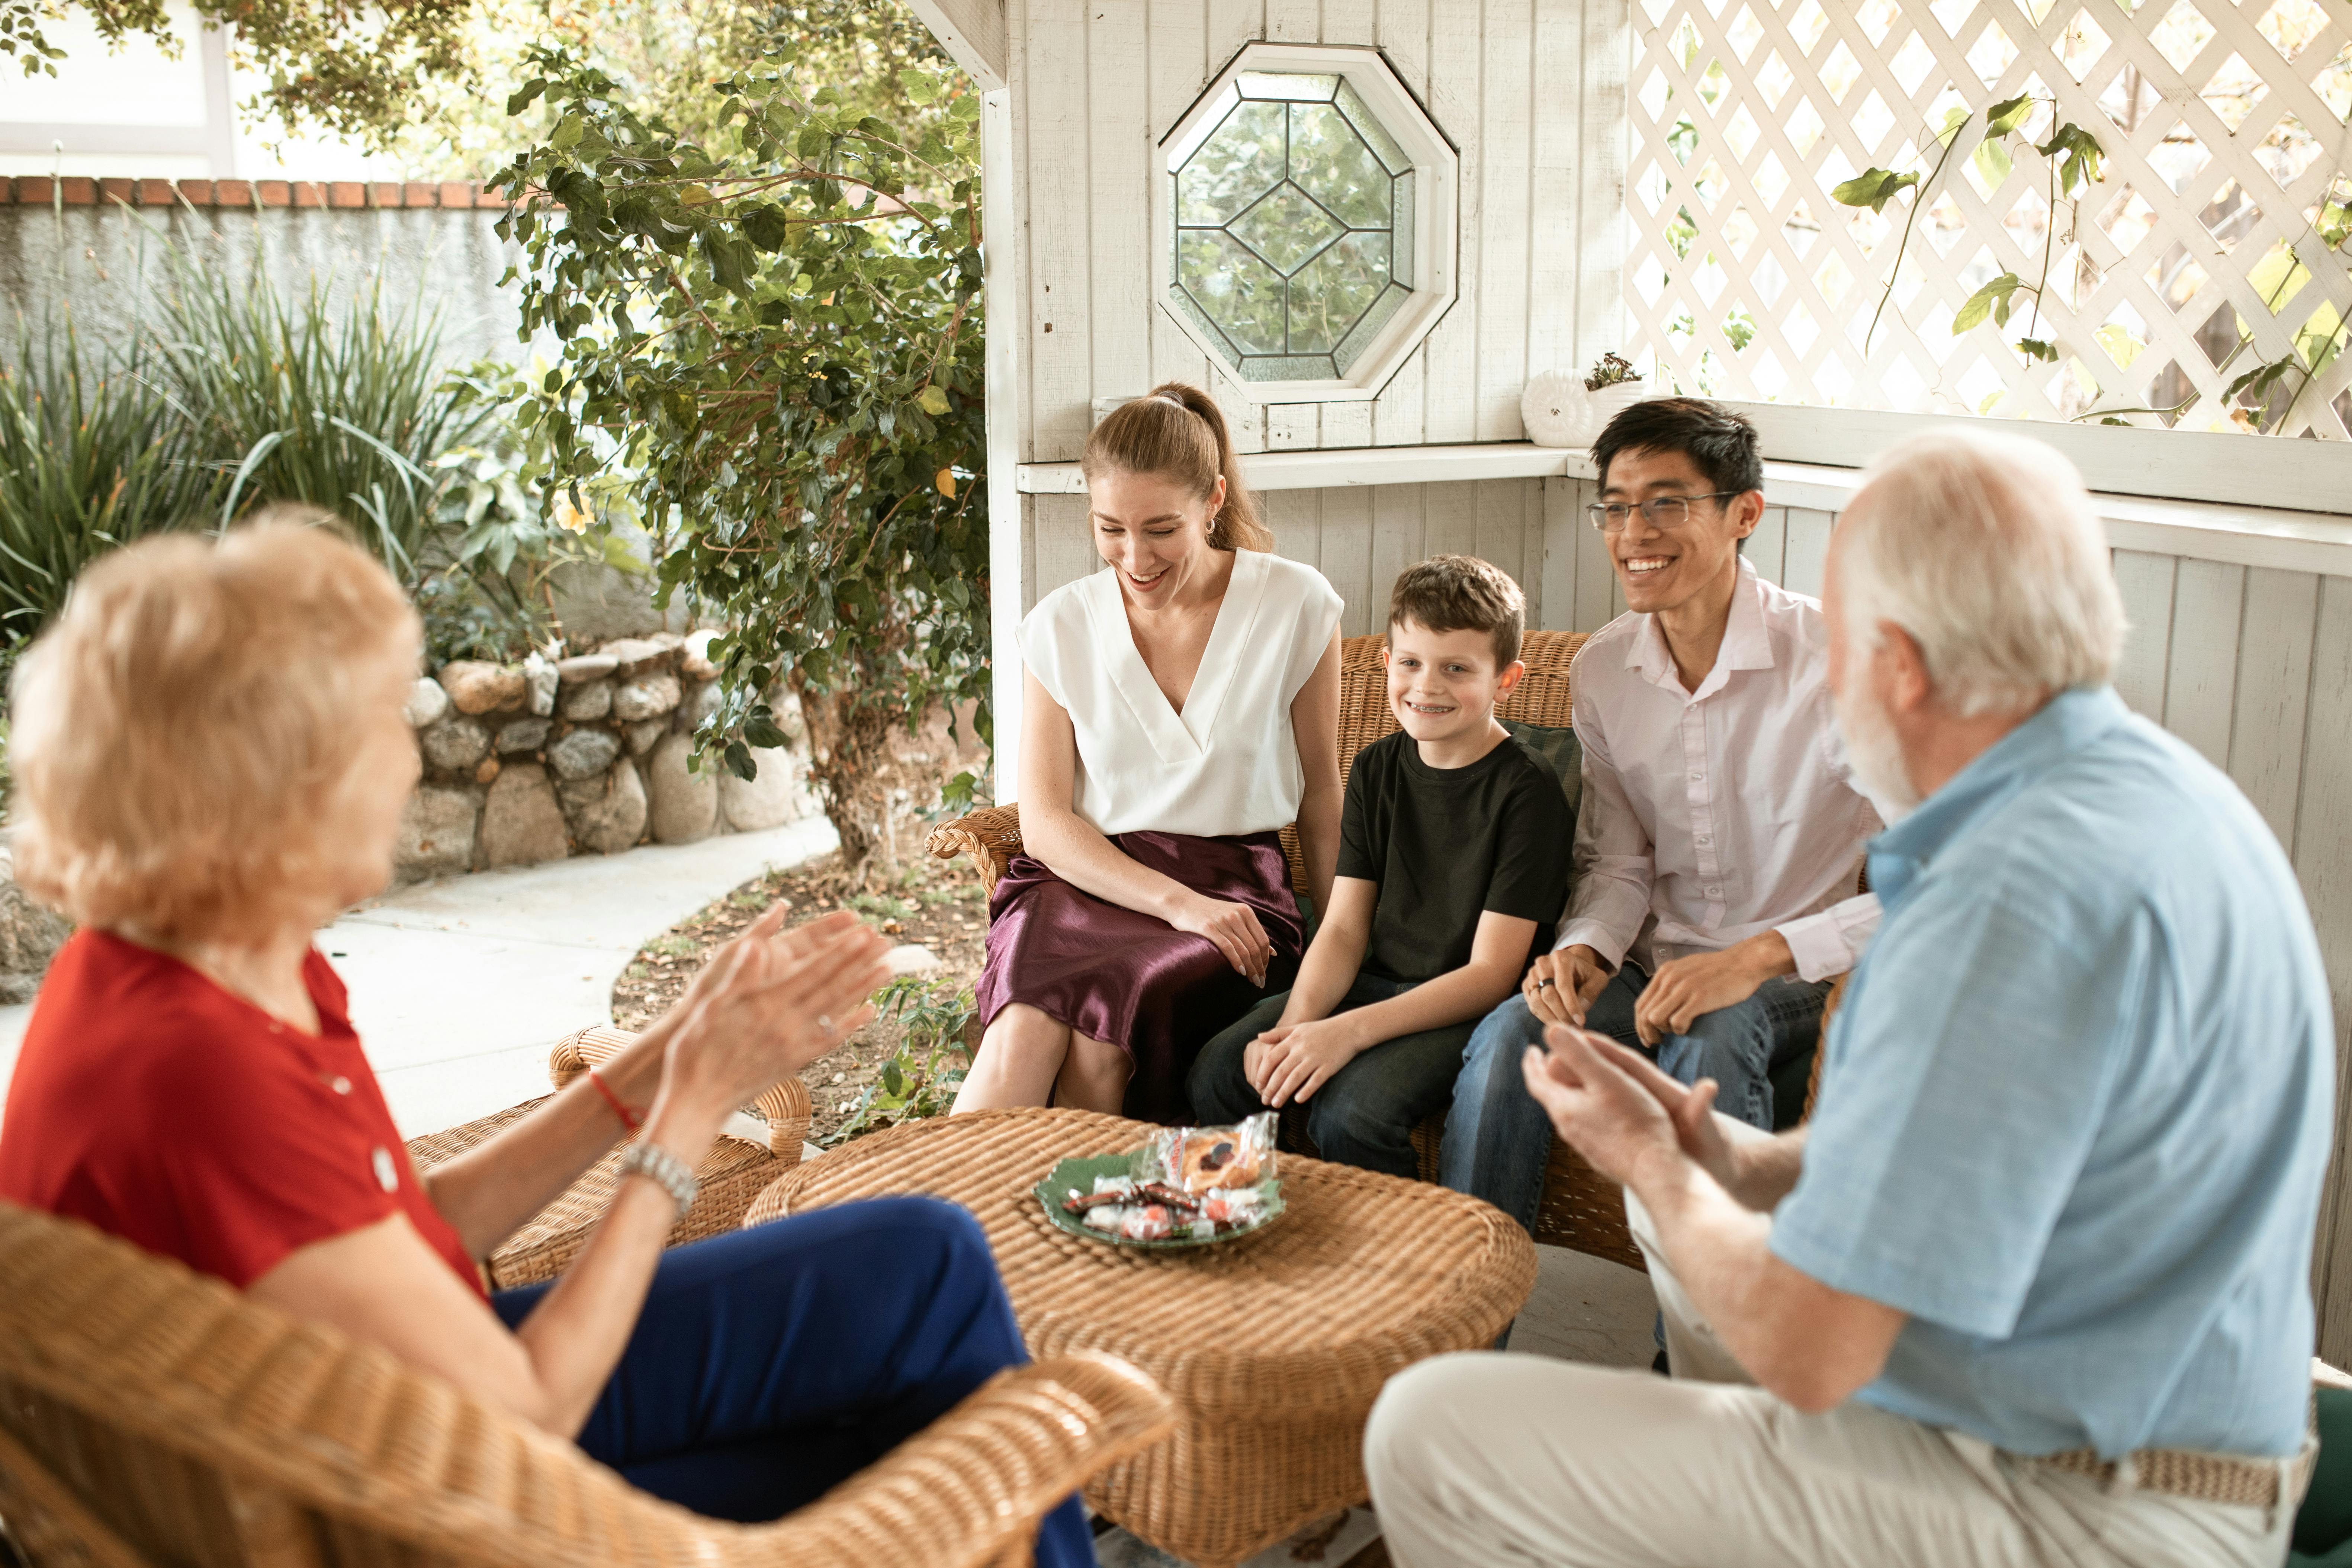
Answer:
(1206, 1159)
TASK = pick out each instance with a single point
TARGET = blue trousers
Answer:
(772, 1364)
(1365, 1114)
(1497, 1139)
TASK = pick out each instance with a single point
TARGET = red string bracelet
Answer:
(629, 1118)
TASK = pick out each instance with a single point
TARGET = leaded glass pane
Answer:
(1301, 89)
(1368, 125)
(1401, 226)
(1242, 294)
(1293, 229)
(1330, 159)
(1383, 310)
(1331, 292)
(1235, 167)
(1302, 367)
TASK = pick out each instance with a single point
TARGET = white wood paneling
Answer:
(1767, 547)
(2323, 860)
(1807, 554)
(2146, 582)
(2201, 665)
(2274, 692)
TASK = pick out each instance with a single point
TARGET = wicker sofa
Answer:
(1581, 1209)
(151, 1417)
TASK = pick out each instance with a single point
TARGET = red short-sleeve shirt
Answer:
(159, 1107)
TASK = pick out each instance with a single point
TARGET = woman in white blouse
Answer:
(1178, 710)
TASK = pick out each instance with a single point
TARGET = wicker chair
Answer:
(152, 1416)
(1579, 1208)
(732, 1173)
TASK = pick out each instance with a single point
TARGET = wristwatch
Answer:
(663, 1169)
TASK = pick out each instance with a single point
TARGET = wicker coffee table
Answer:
(1272, 1345)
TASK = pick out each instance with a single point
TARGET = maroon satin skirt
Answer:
(1117, 974)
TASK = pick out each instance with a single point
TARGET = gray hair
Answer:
(1985, 551)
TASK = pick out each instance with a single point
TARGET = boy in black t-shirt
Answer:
(1454, 848)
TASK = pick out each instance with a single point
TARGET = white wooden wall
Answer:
(1532, 91)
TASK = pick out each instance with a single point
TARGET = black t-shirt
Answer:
(1447, 844)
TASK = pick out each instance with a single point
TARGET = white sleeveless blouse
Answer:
(1229, 764)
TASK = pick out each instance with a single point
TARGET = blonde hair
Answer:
(1177, 432)
(1986, 550)
(1462, 593)
(186, 730)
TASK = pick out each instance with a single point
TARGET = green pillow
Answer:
(1560, 752)
(2323, 1530)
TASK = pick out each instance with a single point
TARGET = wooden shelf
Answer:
(1323, 468)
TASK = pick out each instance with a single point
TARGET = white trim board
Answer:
(2194, 465)
(2250, 536)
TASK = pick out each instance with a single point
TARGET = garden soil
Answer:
(936, 904)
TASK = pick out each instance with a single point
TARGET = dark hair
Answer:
(1177, 432)
(1462, 593)
(1719, 443)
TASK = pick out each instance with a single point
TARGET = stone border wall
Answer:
(532, 762)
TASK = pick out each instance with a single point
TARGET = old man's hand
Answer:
(1596, 1106)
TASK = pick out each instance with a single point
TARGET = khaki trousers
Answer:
(1494, 1461)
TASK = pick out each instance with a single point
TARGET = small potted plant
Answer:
(1560, 409)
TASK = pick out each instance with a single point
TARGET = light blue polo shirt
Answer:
(2075, 1110)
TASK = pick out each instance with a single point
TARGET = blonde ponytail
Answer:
(1177, 432)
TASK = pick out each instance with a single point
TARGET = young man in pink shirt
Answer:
(1720, 831)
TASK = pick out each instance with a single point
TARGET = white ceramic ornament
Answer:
(1552, 408)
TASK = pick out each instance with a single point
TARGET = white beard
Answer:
(1876, 753)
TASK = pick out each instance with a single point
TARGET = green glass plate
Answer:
(1081, 1173)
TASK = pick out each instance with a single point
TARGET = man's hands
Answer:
(1614, 1105)
(1234, 928)
(1684, 988)
(1559, 987)
(1291, 1061)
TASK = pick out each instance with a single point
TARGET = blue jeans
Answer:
(1365, 1114)
(772, 1364)
(1498, 1140)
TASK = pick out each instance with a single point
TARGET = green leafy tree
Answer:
(775, 335)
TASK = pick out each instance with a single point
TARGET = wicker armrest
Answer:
(786, 1106)
(990, 835)
(972, 1488)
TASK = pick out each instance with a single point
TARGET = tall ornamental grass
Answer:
(93, 456)
(295, 401)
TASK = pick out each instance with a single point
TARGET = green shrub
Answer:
(93, 456)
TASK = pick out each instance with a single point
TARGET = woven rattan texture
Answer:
(205, 1430)
(1273, 1346)
(786, 1106)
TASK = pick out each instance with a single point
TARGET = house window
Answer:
(1307, 217)
(2213, 244)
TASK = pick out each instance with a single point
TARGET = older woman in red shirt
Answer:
(211, 762)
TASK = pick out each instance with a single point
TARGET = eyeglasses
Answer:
(1662, 512)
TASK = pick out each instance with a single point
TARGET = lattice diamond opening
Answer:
(2202, 252)
(1308, 221)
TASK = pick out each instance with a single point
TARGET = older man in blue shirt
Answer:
(2033, 1288)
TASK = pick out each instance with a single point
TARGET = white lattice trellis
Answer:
(2228, 130)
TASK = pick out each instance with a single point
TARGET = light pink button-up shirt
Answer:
(1710, 817)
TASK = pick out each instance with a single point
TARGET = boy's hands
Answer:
(1291, 1061)
(1560, 985)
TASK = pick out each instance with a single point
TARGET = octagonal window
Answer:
(1308, 212)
